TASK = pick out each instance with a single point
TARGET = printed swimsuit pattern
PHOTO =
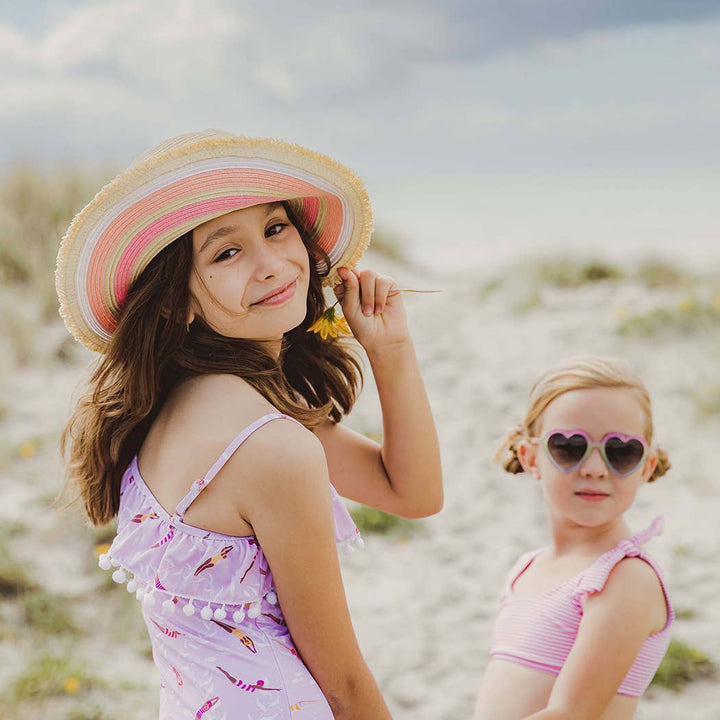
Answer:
(219, 638)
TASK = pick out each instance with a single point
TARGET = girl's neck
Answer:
(572, 539)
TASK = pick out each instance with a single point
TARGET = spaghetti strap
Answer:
(199, 485)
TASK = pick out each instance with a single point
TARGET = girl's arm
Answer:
(614, 626)
(403, 476)
(287, 500)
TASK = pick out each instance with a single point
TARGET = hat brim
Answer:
(182, 183)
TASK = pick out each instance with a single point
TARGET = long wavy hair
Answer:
(152, 350)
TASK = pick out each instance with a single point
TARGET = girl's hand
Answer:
(373, 308)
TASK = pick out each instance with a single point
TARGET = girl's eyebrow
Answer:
(225, 230)
(219, 233)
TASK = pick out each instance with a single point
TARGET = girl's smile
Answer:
(278, 296)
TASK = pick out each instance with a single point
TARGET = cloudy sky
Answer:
(476, 123)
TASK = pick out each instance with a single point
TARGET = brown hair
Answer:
(581, 373)
(152, 350)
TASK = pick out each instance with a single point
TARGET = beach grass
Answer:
(372, 520)
(569, 272)
(88, 712)
(656, 273)
(683, 613)
(14, 578)
(683, 664)
(52, 675)
(47, 613)
(690, 314)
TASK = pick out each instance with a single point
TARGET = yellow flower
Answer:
(687, 305)
(330, 324)
(71, 685)
(28, 449)
(101, 549)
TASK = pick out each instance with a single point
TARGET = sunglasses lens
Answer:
(624, 455)
(566, 452)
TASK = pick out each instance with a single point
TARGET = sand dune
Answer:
(423, 599)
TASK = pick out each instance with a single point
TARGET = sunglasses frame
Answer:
(545, 442)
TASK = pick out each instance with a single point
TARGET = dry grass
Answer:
(35, 210)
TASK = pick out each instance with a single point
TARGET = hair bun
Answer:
(507, 452)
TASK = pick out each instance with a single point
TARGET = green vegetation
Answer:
(656, 273)
(682, 664)
(47, 613)
(35, 210)
(14, 580)
(689, 315)
(371, 520)
(90, 712)
(685, 613)
(50, 675)
(566, 272)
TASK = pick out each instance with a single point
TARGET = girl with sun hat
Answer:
(211, 425)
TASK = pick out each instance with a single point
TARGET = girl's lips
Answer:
(592, 496)
(284, 293)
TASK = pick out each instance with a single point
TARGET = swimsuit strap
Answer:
(199, 485)
(655, 528)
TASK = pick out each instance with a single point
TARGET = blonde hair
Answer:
(579, 373)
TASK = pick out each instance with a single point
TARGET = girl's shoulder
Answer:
(217, 402)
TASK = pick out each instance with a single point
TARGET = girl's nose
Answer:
(268, 263)
(594, 464)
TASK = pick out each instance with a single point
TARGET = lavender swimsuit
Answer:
(218, 635)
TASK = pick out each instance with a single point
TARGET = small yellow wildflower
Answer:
(330, 324)
(101, 549)
(71, 685)
(716, 302)
(621, 312)
(28, 449)
(687, 304)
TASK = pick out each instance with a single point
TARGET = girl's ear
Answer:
(527, 455)
(649, 467)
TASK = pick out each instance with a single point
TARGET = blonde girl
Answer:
(585, 621)
(211, 428)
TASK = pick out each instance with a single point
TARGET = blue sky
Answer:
(473, 122)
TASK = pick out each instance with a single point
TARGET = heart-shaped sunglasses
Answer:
(568, 450)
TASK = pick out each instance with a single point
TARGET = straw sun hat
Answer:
(186, 181)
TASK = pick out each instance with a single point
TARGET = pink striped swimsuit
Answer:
(218, 635)
(538, 631)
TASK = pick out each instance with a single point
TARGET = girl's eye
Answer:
(275, 229)
(226, 254)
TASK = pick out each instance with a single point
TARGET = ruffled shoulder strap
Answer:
(594, 579)
(521, 564)
(199, 485)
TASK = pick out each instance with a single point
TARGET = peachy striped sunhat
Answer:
(182, 183)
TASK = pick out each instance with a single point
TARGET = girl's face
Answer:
(591, 495)
(251, 273)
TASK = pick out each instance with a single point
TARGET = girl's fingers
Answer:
(383, 285)
(348, 291)
(367, 291)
